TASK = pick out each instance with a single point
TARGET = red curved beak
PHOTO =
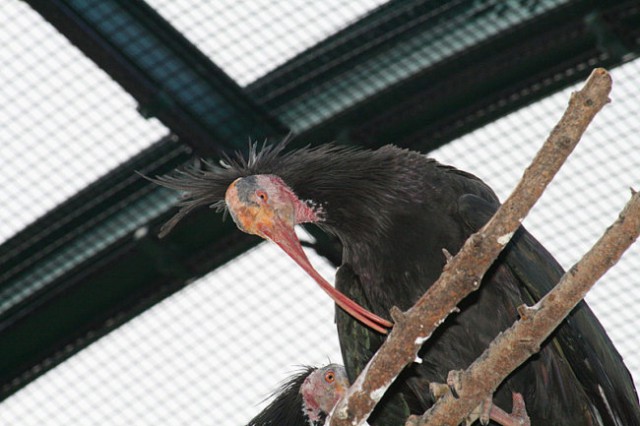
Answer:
(275, 220)
(285, 237)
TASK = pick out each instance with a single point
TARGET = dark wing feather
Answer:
(581, 338)
(358, 344)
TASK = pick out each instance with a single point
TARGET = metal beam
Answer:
(168, 76)
(421, 73)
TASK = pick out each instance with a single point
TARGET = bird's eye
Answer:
(330, 377)
(262, 195)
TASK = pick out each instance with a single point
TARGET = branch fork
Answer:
(462, 275)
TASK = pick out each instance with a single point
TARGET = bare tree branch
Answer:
(523, 339)
(463, 273)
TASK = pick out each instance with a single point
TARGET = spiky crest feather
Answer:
(206, 186)
(285, 409)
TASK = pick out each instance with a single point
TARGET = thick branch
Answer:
(523, 339)
(463, 273)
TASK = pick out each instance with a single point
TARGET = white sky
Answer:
(213, 351)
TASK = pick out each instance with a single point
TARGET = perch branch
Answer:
(523, 339)
(463, 273)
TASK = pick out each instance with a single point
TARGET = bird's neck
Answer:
(358, 195)
(384, 247)
(372, 201)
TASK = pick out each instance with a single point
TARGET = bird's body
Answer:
(394, 211)
(306, 398)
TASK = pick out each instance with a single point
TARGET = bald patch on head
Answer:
(245, 188)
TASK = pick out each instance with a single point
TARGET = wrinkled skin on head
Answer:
(321, 390)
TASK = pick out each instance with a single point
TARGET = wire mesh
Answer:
(195, 358)
(213, 352)
(252, 38)
(64, 121)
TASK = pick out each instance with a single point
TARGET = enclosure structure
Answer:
(99, 317)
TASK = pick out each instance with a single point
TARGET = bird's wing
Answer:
(358, 344)
(581, 338)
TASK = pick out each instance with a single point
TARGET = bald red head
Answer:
(264, 205)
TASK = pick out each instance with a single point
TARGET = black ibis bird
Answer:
(306, 399)
(394, 211)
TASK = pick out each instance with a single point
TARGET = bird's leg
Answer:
(518, 416)
(486, 411)
(438, 390)
(482, 412)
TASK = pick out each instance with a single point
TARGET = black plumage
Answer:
(291, 405)
(394, 211)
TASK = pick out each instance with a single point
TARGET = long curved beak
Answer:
(276, 222)
(284, 236)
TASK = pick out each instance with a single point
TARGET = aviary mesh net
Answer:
(212, 352)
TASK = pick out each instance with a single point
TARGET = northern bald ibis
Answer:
(394, 211)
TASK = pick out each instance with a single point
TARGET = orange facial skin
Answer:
(265, 206)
